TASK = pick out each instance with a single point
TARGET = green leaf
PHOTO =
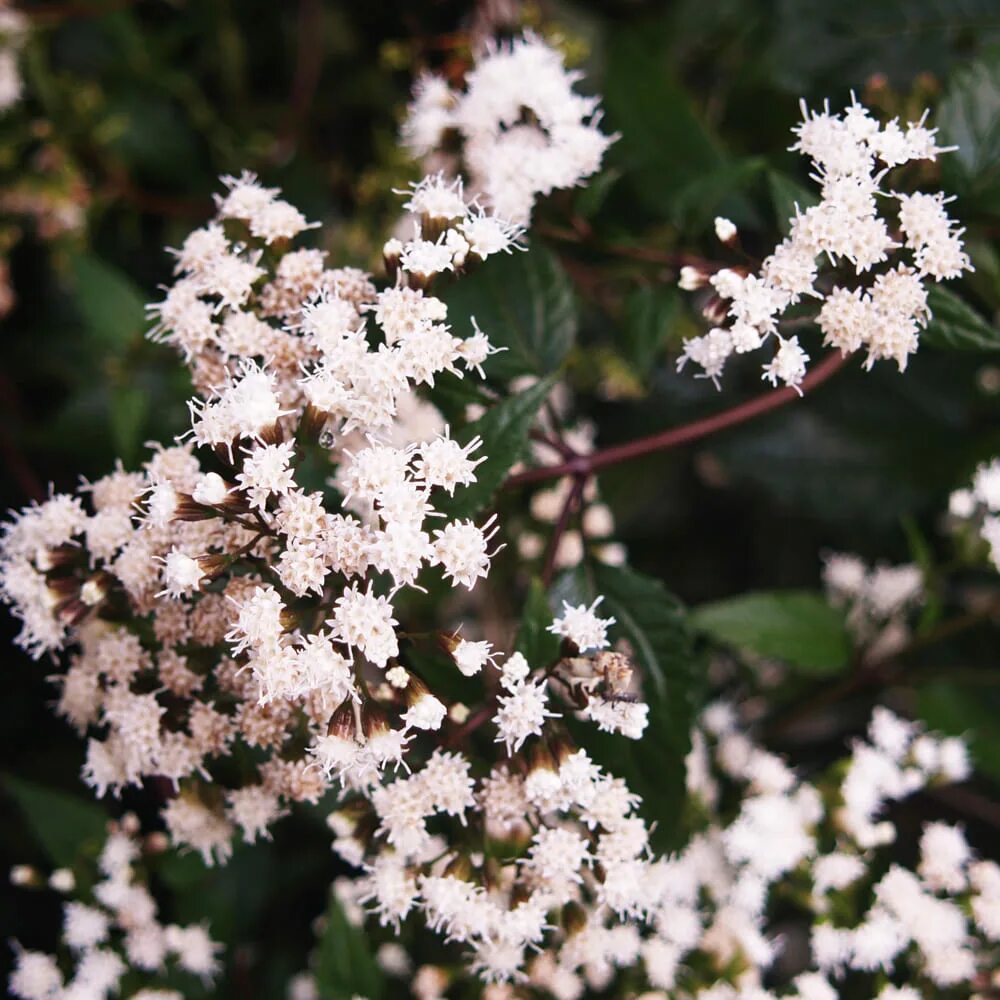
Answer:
(524, 303)
(539, 646)
(956, 326)
(663, 145)
(64, 824)
(698, 201)
(111, 304)
(504, 429)
(345, 966)
(592, 196)
(785, 195)
(798, 627)
(650, 313)
(673, 682)
(969, 118)
(129, 405)
(969, 711)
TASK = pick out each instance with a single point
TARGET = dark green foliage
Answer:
(798, 627)
(654, 624)
(132, 112)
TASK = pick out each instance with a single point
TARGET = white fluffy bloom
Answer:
(582, 626)
(512, 157)
(849, 153)
(521, 713)
(471, 657)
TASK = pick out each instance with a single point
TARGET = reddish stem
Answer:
(474, 721)
(562, 524)
(587, 465)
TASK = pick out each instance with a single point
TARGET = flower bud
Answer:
(391, 253)
(25, 876)
(62, 880)
(425, 710)
(189, 509)
(692, 278)
(214, 563)
(726, 231)
(343, 723)
(311, 423)
(715, 310)
(459, 867)
(72, 612)
(95, 589)
(58, 558)
(374, 721)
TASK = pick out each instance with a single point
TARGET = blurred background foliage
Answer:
(130, 113)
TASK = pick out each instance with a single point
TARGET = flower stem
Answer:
(586, 465)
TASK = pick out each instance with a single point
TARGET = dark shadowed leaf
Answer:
(786, 194)
(663, 145)
(798, 627)
(524, 303)
(956, 326)
(111, 304)
(650, 314)
(345, 966)
(64, 824)
(539, 646)
(129, 405)
(969, 711)
(654, 623)
(969, 118)
(504, 430)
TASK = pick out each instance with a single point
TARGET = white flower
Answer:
(725, 230)
(364, 621)
(848, 153)
(460, 548)
(181, 573)
(521, 713)
(788, 365)
(427, 712)
(471, 657)
(582, 627)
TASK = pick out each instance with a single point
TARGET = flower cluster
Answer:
(489, 861)
(562, 891)
(112, 931)
(878, 599)
(978, 505)
(523, 130)
(884, 310)
(819, 842)
(212, 598)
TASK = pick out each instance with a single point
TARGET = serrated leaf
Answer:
(64, 824)
(969, 118)
(504, 429)
(650, 313)
(663, 146)
(524, 303)
(673, 681)
(344, 964)
(956, 326)
(110, 303)
(539, 646)
(799, 627)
